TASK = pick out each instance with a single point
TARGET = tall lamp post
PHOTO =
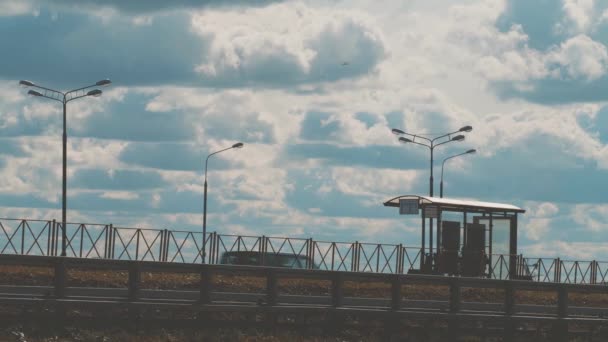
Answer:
(431, 144)
(237, 145)
(472, 151)
(64, 98)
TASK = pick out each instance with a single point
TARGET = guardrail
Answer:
(453, 309)
(105, 241)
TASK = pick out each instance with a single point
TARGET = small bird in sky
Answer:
(344, 63)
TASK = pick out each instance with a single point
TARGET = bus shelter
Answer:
(460, 237)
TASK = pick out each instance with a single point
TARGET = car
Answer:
(269, 259)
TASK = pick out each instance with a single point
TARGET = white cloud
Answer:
(283, 44)
(578, 13)
(121, 195)
(581, 57)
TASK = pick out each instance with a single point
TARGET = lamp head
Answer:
(34, 93)
(238, 145)
(405, 140)
(26, 83)
(94, 92)
(459, 137)
(472, 151)
(397, 131)
(465, 129)
(103, 83)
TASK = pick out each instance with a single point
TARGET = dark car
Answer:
(269, 259)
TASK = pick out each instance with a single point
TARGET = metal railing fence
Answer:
(106, 241)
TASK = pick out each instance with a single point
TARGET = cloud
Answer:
(395, 157)
(145, 7)
(127, 120)
(166, 51)
(280, 45)
(116, 179)
(168, 156)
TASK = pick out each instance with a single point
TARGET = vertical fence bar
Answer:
(22, 225)
(48, 240)
(333, 252)
(261, 242)
(378, 258)
(57, 225)
(355, 248)
(106, 241)
(138, 232)
(557, 269)
(52, 250)
(81, 238)
(112, 241)
(313, 244)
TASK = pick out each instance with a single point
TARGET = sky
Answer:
(313, 89)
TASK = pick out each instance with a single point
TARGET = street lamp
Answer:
(237, 145)
(431, 144)
(473, 151)
(64, 98)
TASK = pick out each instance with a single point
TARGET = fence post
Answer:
(271, 287)
(205, 285)
(593, 279)
(167, 240)
(454, 295)
(509, 310)
(399, 268)
(52, 239)
(22, 225)
(261, 250)
(337, 290)
(560, 328)
(353, 264)
(112, 241)
(557, 268)
(82, 226)
(138, 231)
(453, 323)
(60, 278)
(396, 292)
(134, 279)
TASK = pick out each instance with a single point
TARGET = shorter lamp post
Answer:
(472, 151)
(237, 145)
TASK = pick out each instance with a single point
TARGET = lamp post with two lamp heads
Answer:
(64, 98)
(431, 144)
(472, 151)
(237, 145)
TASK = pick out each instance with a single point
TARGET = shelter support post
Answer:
(513, 248)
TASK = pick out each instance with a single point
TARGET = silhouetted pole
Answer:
(64, 98)
(237, 145)
(443, 164)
